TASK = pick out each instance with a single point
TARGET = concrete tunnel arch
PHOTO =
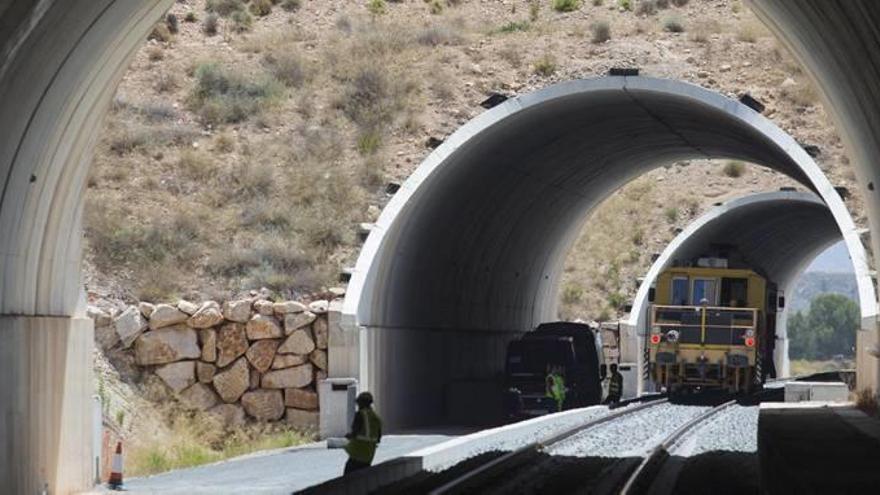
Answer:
(779, 233)
(469, 251)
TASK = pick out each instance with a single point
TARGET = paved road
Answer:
(279, 472)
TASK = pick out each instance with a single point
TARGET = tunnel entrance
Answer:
(468, 254)
(777, 234)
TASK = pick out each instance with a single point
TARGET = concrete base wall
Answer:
(433, 377)
(867, 363)
(46, 409)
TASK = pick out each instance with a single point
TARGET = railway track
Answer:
(616, 453)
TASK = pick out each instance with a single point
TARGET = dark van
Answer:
(571, 346)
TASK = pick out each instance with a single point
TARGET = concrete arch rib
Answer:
(779, 233)
(472, 245)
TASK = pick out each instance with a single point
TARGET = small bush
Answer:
(376, 7)
(210, 24)
(661, 4)
(172, 23)
(566, 5)
(224, 8)
(598, 3)
(646, 7)
(161, 33)
(680, 3)
(748, 33)
(734, 169)
(601, 31)
(241, 22)
(673, 24)
(703, 30)
(291, 5)
(190, 17)
(438, 35)
(671, 214)
(625, 4)
(514, 26)
(534, 10)
(165, 82)
(617, 300)
(572, 294)
(155, 54)
(286, 67)
(369, 142)
(220, 96)
(436, 7)
(261, 8)
(545, 66)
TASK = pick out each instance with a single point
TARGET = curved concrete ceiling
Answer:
(477, 236)
(777, 233)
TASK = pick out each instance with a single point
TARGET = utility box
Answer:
(337, 405)
(816, 392)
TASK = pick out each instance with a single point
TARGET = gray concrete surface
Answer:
(815, 448)
(278, 472)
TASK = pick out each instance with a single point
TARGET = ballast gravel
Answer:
(733, 430)
(630, 436)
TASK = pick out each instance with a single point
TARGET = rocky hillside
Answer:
(248, 140)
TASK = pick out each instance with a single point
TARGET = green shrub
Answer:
(286, 67)
(680, 3)
(514, 26)
(241, 21)
(210, 24)
(598, 3)
(601, 31)
(190, 17)
(673, 24)
(617, 300)
(545, 66)
(572, 294)
(566, 5)
(734, 169)
(376, 7)
(220, 96)
(671, 214)
(625, 4)
(436, 7)
(662, 4)
(261, 8)
(224, 8)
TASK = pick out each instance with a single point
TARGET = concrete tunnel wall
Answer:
(468, 253)
(59, 67)
(778, 233)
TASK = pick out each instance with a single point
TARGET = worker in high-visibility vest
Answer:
(366, 433)
(615, 385)
(555, 385)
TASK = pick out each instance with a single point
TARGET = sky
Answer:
(834, 259)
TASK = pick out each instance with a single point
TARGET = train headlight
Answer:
(750, 342)
(672, 336)
(655, 338)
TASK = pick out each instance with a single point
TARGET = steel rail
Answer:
(473, 474)
(643, 473)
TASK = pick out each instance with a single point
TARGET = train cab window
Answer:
(679, 291)
(734, 292)
(704, 288)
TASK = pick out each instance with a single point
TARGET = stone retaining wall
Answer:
(249, 358)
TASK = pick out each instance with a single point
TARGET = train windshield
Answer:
(704, 288)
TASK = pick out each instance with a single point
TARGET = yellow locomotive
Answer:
(711, 328)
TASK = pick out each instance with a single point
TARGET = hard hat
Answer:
(364, 398)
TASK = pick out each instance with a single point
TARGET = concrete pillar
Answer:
(45, 404)
(867, 360)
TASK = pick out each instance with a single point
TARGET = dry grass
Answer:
(198, 439)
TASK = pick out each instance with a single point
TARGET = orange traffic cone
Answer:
(115, 481)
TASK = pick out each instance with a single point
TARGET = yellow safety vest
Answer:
(363, 446)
